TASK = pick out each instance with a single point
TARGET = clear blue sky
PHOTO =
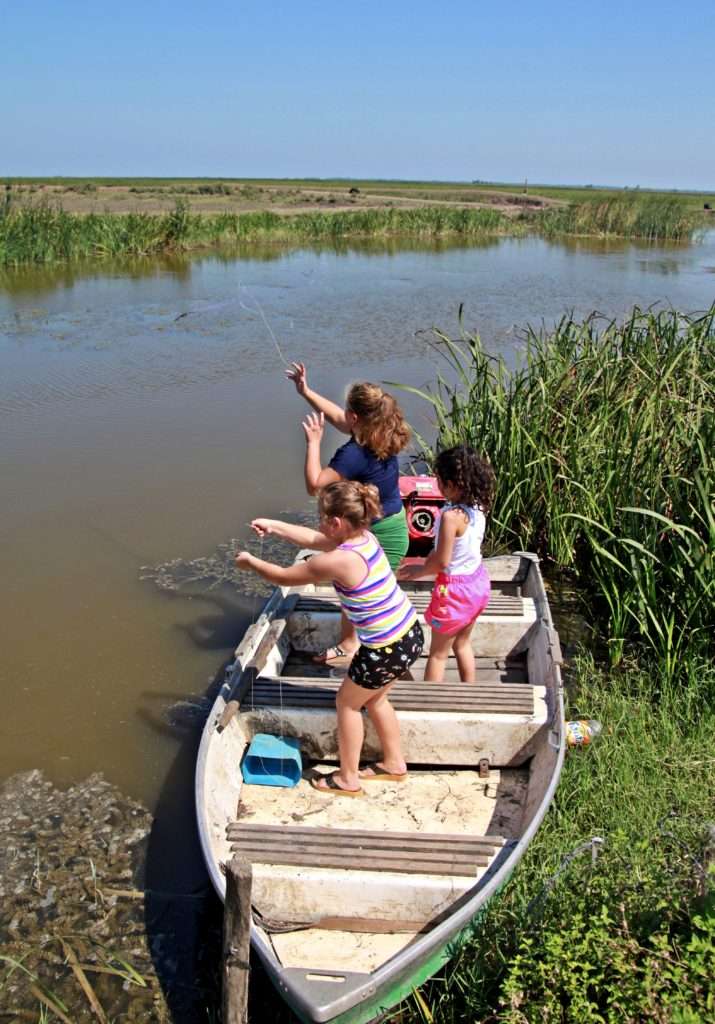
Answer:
(603, 92)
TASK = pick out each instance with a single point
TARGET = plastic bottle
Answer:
(580, 732)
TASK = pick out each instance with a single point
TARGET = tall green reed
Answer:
(631, 215)
(44, 233)
(603, 444)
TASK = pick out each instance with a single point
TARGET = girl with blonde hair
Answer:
(389, 635)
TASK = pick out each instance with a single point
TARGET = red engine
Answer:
(423, 503)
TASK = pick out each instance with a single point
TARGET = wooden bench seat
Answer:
(375, 881)
(326, 601)
(489, 670)
(406, 695)
(357, 849)
(440, 723)
(500, 630)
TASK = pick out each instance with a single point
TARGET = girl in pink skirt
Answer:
(461, 587)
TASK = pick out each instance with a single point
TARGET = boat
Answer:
(357, 902)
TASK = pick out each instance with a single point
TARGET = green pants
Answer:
(392, 534)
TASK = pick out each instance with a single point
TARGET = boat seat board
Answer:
(327, 601)
(489, 670)
(405, 695)
(362, 850)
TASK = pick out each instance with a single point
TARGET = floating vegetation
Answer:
(72, 903)
(211, 572)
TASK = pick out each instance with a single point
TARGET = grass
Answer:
(603, 444)
(43, 233)
(39, 230)
(623, 930)
(633, 215)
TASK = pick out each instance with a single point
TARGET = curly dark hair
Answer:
(469, 472)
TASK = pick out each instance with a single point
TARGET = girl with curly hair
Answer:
(462, 586)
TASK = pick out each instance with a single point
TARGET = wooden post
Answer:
(236, 940)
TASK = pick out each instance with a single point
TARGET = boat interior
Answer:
(341, 886)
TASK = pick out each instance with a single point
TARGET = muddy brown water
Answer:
(144, 418)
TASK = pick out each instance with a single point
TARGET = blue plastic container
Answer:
(272, 761)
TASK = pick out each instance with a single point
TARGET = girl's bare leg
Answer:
(350, 701)
(438, 653)
(383, 717)
(465, 654)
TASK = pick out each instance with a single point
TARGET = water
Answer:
(132, 434)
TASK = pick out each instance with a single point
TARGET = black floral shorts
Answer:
(372, 668)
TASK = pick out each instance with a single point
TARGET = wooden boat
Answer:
(356, 902)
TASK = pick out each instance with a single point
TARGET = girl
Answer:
(390, 635)
(378, 432)
(462, 586)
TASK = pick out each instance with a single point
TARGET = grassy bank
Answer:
(603, 444)
(34, 229)
(630, 935)
(43, 233)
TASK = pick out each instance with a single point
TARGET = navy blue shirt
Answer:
(354, 461)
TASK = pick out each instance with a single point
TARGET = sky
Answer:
(597, 93)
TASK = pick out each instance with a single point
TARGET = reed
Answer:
(603, 444)
(655, 218)
(45, 233)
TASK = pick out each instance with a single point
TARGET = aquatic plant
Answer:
(40, 232)
(603, 444)
(655, 217)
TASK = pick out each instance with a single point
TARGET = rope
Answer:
(593, 844)
(262, 315)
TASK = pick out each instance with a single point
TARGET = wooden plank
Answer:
(407, 695)
(301, 831)
(248, 672)
(236, 941)
(274, 851)
(509, 691)
(404, 698)
(376, 862)
(328, 605)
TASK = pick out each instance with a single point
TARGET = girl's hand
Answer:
(314, 427)
(299, 375)
(244, 560)
(409, 572)
(262, 527)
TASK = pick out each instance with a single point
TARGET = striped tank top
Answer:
(378, 608)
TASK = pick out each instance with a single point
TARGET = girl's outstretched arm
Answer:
(332, 412)
(301, 536)
(439, 558)
(315, 476)
(313, 570)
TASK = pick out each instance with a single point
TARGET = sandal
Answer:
(380, 774)
(331, 654)
(331, 788)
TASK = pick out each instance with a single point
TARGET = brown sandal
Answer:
(380, 774)
(326, 658)
(331, 788)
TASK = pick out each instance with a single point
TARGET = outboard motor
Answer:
(423, 502)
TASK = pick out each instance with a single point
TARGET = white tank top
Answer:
(467, 550)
